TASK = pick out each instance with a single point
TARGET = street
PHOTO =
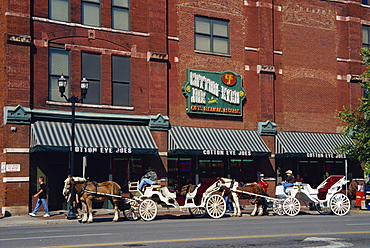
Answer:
(303, 230)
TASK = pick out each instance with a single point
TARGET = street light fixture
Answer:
(84, 85)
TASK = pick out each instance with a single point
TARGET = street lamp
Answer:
(84, 85)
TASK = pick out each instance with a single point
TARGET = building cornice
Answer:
(26, 116)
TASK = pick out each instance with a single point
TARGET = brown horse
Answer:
(235, 191)
(90, 191)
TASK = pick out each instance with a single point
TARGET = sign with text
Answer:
(13, 167)
(214, 93)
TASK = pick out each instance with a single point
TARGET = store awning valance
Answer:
(215, 142)
(311, 145)
(92, 138)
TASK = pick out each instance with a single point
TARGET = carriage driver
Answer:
(149, 178)
(289, 181)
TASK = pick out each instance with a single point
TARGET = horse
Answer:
(89, 191)
(230, 185)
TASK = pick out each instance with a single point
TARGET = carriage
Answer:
(199, 200)
(326, 197)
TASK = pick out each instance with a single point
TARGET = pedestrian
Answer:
(41, 194)
(149, 178)
(75, 207)
(263, 183)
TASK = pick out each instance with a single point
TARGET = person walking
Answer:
(41, 194)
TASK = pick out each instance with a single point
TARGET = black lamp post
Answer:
(84, 85)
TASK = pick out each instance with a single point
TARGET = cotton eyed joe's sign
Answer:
(213, 93)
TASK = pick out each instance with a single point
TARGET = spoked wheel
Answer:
(291, 206)
(148, 210)
(323, 208)
(216, 206)
(133, 212)
(197, 212)
(340, 204)
(277, 207)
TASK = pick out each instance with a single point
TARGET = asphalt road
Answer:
(304, 230)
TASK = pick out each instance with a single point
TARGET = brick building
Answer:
(196, 89)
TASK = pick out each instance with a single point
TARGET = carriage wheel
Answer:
(148, 210)
(323, 208)
(277, 207)
(133, 212)
(198, 212)
(216, 206)
(291, 206)
(340, 204)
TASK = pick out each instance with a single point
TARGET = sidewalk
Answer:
(106, 215)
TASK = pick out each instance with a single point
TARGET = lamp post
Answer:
(84, 85)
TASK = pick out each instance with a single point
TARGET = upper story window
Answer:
(211, 35)
(59, 10)
(121, 14)
(366, 2)
(365, 36)
(91, 69)
(121, 81)
(91, 12)
(59, 64)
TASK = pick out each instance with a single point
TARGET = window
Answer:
(365, 36)
(366, 2)
(59, 64)
(121, 80)
(120, 14)
(211, 35)
(91, 67)
(59, 10)
(91, 12)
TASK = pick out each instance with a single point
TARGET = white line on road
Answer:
(53, 237)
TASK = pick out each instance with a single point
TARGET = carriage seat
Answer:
(166, 193)
(306, 187)
(186, 192)
(324, 187)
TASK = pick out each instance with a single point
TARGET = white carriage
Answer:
(199, 200)
(326, 197)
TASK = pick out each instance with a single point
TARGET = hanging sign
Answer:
(214, 93)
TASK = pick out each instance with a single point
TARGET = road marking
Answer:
(53, 237)
(333, 242)
(362, 224)
(205, 239)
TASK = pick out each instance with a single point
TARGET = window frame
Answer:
(52, 84)
(122, 81)
(211, 35)
(83, 14)
(120, 8)
(92, 80)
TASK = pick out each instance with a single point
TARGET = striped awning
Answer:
(92, 138)
(212, 141)
(314, 145)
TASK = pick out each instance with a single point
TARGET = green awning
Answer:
(215, 142)
(92, 138)
(310, 145)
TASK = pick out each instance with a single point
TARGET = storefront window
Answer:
(179, 172)
(242, 170)
(125, 170)
(310, 171)
(210, 169)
